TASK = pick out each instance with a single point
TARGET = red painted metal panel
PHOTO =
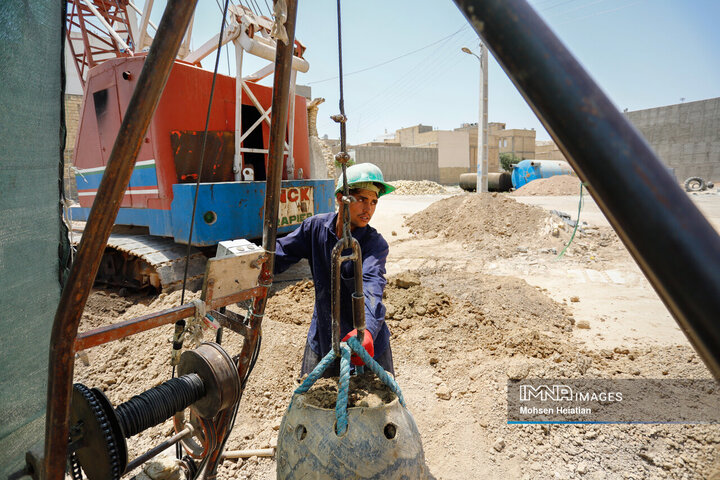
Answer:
(183, 107)
(300, 140)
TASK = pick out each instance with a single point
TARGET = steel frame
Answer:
(101, 25)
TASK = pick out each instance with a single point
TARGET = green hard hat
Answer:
(365, 173)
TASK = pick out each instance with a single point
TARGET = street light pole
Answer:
(482, 155)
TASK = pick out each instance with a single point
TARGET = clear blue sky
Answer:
(643, 53)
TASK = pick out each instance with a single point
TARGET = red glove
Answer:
(367, 344)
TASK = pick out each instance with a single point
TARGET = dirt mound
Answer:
(406, 299)
(292, 304)
(507, 316)
(417, 187)
(329, 158)
(555, 185)
(365, 391)
(453, 361)
(496, 224)
(102, 302)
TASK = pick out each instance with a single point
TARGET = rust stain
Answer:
(657, 193)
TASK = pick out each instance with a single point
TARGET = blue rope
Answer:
(376, 368)
(343, 389)
(341, 404)
(316, 373)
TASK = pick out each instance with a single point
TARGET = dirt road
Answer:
(476, 306)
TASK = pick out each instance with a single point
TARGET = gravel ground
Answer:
(471, 304)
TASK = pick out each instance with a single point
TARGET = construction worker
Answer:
(314, 240)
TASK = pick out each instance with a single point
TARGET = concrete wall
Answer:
(685, 136)
(493, 155)
(401, 163)
(453, 146)
(454, 149)
(451, 175)
(73, 86)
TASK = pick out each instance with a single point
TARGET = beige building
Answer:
(519, 142)
(457, 149)
(493, 154)
(409, 137)
(73, 105)
(453, 146)
(548, 150)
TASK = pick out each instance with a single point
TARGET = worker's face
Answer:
(362, 210)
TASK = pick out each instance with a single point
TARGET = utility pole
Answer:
(482, 155)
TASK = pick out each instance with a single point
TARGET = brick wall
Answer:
(73, 103)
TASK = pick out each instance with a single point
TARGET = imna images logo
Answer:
(559, 393)
(544, 393)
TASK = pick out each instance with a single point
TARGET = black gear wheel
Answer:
(75, 471)
(103, 454)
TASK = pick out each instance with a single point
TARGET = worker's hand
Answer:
(367, 344)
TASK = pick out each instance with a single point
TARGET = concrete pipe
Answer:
(497, 182)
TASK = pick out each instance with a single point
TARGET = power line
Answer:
(392, 59)
(557, 5)
(581, 7)
(388, 95)
(393, 97)
(596, 14)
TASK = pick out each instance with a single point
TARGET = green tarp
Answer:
(31, 142)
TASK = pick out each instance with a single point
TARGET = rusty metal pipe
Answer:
(142, 105)
(335, 263)
(672, 242)
(116, 331)
(358, 296)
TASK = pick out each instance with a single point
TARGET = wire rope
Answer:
(180, 324)
(202, 154)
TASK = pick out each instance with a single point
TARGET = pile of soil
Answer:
(556, 185)
(490, 222)
(329, 157)
(456, 342)
(506, 317)
(496, 225)
(417, 187)
(365, 391)
(293, 303)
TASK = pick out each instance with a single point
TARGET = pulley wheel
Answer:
(204, 436)
(219, 375)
